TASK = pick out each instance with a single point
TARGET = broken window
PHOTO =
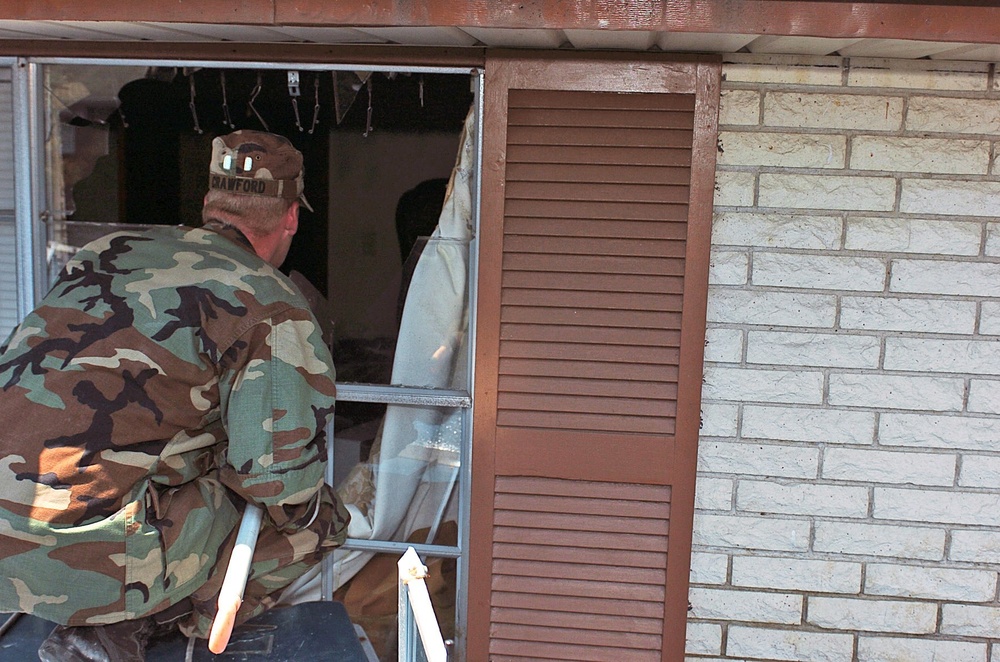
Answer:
(390, 171)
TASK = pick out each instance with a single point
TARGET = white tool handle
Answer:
(231, 595)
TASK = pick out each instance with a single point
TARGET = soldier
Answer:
(170, 377)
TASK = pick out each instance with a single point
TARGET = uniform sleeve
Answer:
(275, 401)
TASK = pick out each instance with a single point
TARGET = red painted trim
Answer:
(973, 21)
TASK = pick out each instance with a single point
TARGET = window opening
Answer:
(389, 155)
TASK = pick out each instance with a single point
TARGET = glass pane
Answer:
(397, 469)
(8, 259)
(371, 601)
(130, 146)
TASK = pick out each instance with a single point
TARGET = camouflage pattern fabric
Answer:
(169, 376)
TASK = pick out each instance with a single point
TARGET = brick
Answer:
(933, 155)
(723, 345)
(993, 239)
(907, 542)
(944, 277)
(873, 466)
(929, 431)
(786, 150)
(703, 639)
(809, 425)
(793, 574)
(862, 193)
(918, 74)
(739, 107)
(734, 189)
(970, 620)
(771, 308)
(907, 581)
(881, 391)
(947, 507)
(933, 355)
(949, 197)
(709, 568)
(953, 115)
(757, 460)
(802, 499)
(917, 315)
(975, 546)
(713, 493)
(796, 70)
(812, 349)
(718, 419)
(746, 532)
(980, 471)
(759, 643)
(754, 606)
(819, 272)
(833, 111)
(728, 267)
(872, 615)
(984, 396)
(922, 649)
(776, 230)
(989, 319)
(906, 235)
(744, 385)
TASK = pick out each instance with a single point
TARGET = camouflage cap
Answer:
(257, 163)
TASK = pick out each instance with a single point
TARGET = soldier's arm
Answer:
(275, 401)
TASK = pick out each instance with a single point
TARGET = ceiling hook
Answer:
(294, 92)
(253, 97)
(316, 106)
(225, 104)
(194, 110)
(368, 117)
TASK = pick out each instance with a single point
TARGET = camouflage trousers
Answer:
(278, 560)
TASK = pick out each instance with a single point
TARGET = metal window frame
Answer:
(30, 215)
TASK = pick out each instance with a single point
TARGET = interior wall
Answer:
(367, 177)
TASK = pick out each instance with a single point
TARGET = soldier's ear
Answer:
(290, 222)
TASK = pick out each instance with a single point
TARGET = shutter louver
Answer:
(596, 591)
(592, 279)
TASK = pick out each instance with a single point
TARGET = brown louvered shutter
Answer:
(597, 186)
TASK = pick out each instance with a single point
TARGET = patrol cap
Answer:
(257, 163)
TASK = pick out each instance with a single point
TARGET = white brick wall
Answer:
(848, 503)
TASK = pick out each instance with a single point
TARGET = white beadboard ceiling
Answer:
(497, 37)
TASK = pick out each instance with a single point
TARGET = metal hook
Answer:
(368, 119)
(316, 107)
(225, 104)
(253, 97)
(194, 111)
(293, 91)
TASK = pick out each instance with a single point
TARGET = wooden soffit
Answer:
(969, 21)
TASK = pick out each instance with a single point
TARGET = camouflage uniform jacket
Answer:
(163, 368)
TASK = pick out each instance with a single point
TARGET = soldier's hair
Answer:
(254, 214)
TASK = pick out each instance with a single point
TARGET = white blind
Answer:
(8, 274)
